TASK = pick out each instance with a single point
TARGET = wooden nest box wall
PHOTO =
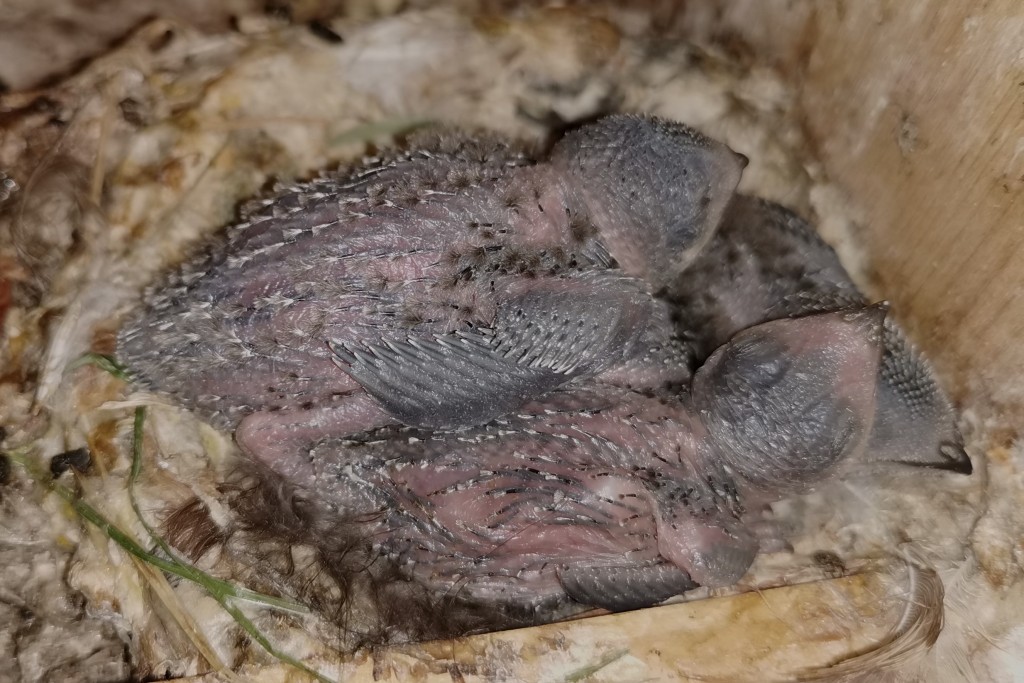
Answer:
(917, 110)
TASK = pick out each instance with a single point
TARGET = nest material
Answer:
(120, 169)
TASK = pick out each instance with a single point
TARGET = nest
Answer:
(115, 172)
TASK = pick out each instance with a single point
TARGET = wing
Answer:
(545, 334)
(444, 382)
(625, 587)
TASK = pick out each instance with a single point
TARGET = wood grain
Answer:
(917, 110)
(795, 628)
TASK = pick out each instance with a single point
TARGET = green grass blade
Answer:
(371, 131)
(221, 591)
(265, 643)
(103, 362)
(216, 587)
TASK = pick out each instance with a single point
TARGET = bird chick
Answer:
(659, 213)
(603, 495)
(764, 263)
(453, 282)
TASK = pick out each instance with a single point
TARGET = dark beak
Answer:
(953, 459)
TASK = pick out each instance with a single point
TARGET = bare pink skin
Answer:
(606, 495)
(499, 512)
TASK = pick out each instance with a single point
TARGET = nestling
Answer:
(604, 495)
(447, 281)
(765, 263)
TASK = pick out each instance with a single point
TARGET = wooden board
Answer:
(795, 628)
(917, 110)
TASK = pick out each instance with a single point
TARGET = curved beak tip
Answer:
(964, 466)
(954, 459)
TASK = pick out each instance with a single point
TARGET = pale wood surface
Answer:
(917, 110)
(795, 628)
